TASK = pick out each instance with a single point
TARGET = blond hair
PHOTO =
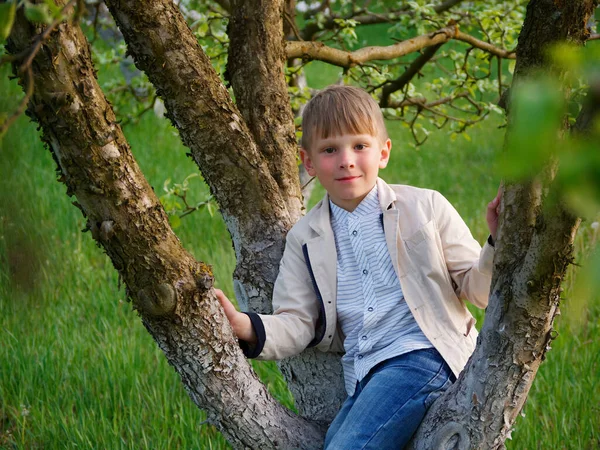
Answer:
(338, 110)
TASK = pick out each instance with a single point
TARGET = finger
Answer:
(223, 300)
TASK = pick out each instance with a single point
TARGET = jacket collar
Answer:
(387, 196)
(321, 222)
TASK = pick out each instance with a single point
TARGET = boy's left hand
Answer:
(493, 210)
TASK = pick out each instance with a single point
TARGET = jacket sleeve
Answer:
(291, 327)
(469, 265)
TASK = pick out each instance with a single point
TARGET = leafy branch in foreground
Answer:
(176, 203)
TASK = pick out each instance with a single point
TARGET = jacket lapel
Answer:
(393, 233)
(323, 255)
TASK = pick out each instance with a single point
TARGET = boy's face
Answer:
(347, 165)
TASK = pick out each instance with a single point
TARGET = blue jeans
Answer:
(390, 402)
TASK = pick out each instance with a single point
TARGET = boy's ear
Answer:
(386, 149)
(308, 164)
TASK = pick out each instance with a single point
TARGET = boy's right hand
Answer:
(240, 322)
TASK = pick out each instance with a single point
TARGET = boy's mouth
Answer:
(348, 178)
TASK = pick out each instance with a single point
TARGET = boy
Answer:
(375, 271)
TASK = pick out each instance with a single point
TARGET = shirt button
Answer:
(360, 356)
(364, 338)
(370, 309)
(354, 233)
(365, 271)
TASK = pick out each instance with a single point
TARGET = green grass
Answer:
(77, 368)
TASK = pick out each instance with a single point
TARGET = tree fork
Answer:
(172, 292)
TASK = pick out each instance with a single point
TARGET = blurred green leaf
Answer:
(537, 108)
(175, 221)
(7, 18)
(39, 13)
(54, 8)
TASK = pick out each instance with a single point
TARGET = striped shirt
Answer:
(371, 309)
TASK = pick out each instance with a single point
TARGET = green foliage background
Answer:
(77, 368)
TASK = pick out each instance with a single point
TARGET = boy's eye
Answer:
(360, 146)
(329, 150)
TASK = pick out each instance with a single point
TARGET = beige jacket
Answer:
(434, 255)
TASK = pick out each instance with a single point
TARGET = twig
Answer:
(414, 133)
(446, 6)
(408, 74)
(136, 117)
(370, 18)
(422, 101)
(307, 183)
(292, 25)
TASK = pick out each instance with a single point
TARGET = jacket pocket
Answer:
(421, 235)
(426, 255)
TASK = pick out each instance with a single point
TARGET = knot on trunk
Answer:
(156, 301)
(452, 436)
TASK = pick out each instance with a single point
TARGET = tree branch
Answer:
(408, 75)
(319, 51)
(255, 69)
(211, 125)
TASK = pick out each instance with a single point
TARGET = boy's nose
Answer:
(346, 161)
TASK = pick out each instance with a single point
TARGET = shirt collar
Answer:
(368, 206)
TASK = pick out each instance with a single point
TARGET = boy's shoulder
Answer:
(420, 202)
(402, 196)
(317, 217)
(407, 196)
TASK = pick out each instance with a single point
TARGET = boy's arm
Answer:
(291, 327)
(469, 265)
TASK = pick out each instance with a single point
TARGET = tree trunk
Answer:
(170, 290)
(255, 67)
(212, 127)
(534, 248)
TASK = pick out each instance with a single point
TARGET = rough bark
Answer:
(171, 291)
(534, 248)
(212, 127)
(255, 68)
